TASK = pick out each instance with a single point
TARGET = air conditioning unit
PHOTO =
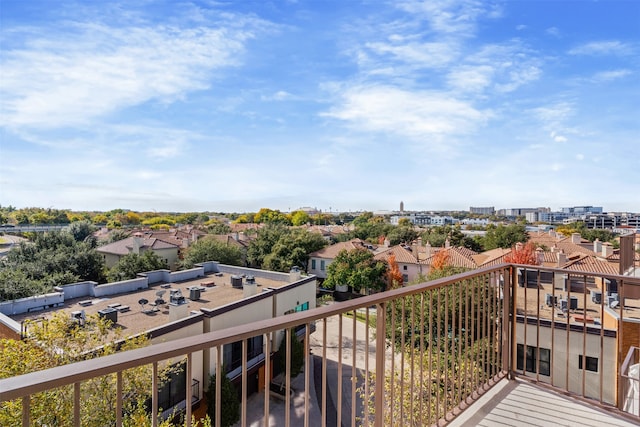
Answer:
(596, 297)
(573, 303)
(551, 300)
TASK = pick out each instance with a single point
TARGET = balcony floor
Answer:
(518, 403)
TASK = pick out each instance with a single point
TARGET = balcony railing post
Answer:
(513, 286)
(380, 362)
(506, 307)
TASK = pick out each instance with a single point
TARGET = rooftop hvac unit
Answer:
(573, 303)
(551, 300)
(596, 297)
(564, 305)
(176, 297)
(109, 314)
(250, 280)
(194, 294)
(236, 281)
(79, 317)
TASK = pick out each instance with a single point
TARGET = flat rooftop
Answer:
(536, 304)
(215, 291)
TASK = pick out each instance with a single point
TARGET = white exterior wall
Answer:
(289, 299)
(606, 363)
(413, 270)
(321, 274)
(197, 357)
(252, 312)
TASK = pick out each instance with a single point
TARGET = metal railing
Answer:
(630, 381)
(416, 355)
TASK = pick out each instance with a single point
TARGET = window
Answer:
(313, 264)
(232, 357)
(404, 267)
(322, 265)
(172, 390)
(405, 278)
(537, 359)
(591, 363)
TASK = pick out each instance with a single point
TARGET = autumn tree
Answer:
(523, 254)
(394, 276)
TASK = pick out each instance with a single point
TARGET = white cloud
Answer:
(521, 27)
(430, 55)
(92, 70)
(560, 138)
(470, 78)
(414, 114)
(553, 31)
(457, 17)
(598, 48)
(606, 76)
(579, 156)
(280, 95)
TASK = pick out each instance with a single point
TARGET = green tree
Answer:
(216, 227)
(402, 234)
(210, 249)
(502, 236)
(80, 230)
(270, 216)
(296, 356)
(300, 218)
(357, 269)
(262, 245)
(58, 341)
(131, 264)
(54, 259)
(293, 249)
(230, 404)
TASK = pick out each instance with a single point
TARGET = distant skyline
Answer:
(339, 105)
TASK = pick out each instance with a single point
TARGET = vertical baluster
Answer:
(76, 404)
(218, 385)
(267, 375)
(354, 373)
(430, 419)
(421, 382)
(188, 390)
(412, 361)
(307, 372)
(366, 369)
(553, 325)
(584, 333)
(438, 378)
(119, 399)
(26, 409)
(403, 330)
(323, 421)
(243, 386)
(339, 399)
(392, 375)
(380, 364)
(154, 395)
(287, 375)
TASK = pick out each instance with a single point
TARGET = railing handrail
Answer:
(27, 384)
(624, 369)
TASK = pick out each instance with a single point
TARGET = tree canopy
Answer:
(277, 247)
(131, 264)
(505, 236)
(210, 249)
(58, 341)
(55, 258)
(357, 269)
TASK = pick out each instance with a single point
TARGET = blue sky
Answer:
(341, 105)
